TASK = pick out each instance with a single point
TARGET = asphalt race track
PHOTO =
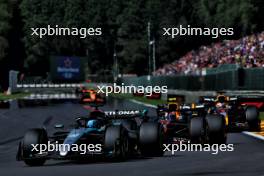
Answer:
(247, 159)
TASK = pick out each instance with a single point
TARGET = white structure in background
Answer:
(12, 82)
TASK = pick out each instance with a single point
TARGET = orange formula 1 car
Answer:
(91, 96)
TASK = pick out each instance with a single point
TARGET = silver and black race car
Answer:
(112, 134)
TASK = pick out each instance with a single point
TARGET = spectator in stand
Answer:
(247, 52)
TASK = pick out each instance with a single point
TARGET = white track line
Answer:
(257, 136)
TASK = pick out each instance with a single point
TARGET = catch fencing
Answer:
(230, 79)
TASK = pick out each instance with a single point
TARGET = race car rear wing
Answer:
(171, 98)
(257, 101)
(235, 98)
(214, 99)
(193, 107)
(251, 98)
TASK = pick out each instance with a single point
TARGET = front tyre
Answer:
(116, 142)
(33, 136)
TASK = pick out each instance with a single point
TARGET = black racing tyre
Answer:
(151, 139)
(197, 130)
(116, 141)
(33, 136)
(252, 117)
(216, 129)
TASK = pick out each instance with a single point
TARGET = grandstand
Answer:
(247, 52)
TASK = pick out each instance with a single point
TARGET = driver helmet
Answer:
(92, 124)
(219, 105)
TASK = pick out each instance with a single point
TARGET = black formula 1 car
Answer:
(113, 134)
(237, 114)
(190, 122)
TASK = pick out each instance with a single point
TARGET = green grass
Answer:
(12, 96)
(141, 99)
(261, 115)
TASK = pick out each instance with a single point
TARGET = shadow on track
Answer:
(210, 173)
(11, 140)
(91, 161)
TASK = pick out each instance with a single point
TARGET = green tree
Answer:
(4, 27)
(124, 27)
(238, 14)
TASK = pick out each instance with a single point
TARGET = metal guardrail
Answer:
(51, 96)
(49, 85)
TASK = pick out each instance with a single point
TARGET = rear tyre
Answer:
(216, 130)
(197, 130)
(116, 142)
(252, 117)
(151, 139)
(33, 136)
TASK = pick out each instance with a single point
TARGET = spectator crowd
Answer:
(247, 52)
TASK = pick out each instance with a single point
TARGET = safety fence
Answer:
(44, 85)
(231, 79)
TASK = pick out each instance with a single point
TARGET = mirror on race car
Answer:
(145, 112)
